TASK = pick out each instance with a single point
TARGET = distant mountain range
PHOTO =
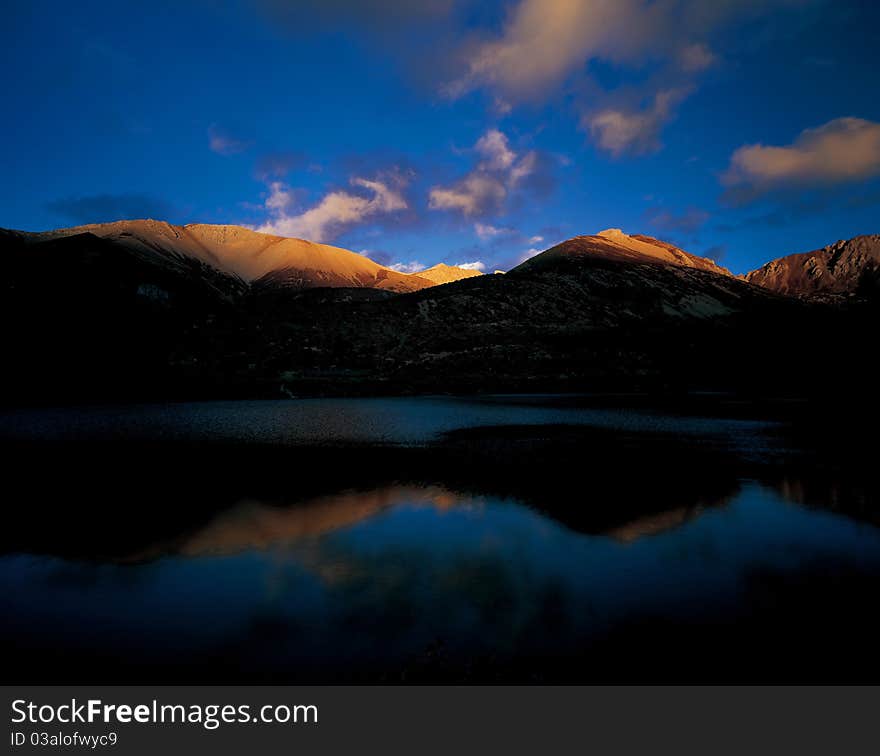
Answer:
(845, 267)
(251, 256)
(150, 310)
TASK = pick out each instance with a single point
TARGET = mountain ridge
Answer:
(845, 267)
(614, 244)
(115, 316)
(245, 253)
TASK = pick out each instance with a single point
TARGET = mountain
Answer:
(845, 267)
(238, 251)
(613, 244)
(580, 321)
(442, 273)
(140, 313)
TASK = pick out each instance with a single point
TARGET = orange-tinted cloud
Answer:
(337, 211)
(544, 40)
(840, 151)
(634, 132)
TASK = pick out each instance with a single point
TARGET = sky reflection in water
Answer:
(382, 575)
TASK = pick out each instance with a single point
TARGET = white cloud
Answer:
(634, 132)
(336, 211)
(528, 254)
(535, 239)
(476, 265)
(484, 190)
(410, 267)
(842, 150)
(486, 231)
(495, 147)
(525, 167)
(280, 197)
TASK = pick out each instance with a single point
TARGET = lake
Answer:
(531, 539)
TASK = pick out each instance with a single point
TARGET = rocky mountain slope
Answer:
(845, 267)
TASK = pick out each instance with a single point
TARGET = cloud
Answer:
(687, 221)
(696, 57)
(224, 143)
(476, 265)
(487, 231)
(475, 194)
(101, 208)
(544, 40)
(496, 149)
(280, 197)
(544, 47)
(337, 211)
(508, 248)
(523, 168)
(519, 50)
(634, 132)
(528, 254)
(484, 190)
(841, 151)
(410, 267)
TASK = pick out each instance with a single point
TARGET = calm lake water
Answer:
(376, 421)
(412, 580)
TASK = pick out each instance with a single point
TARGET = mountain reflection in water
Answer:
(400, 580)
(536, 553)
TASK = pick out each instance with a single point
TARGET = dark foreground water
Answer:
(525, 539)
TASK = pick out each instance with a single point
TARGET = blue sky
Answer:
(458, 131)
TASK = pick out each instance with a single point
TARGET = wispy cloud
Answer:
(476, 265)
(546, 46)
(493, 145)
(407, 267)
(528, 254)
(840, 151)
(484, 190)
(634, 132)
(696, 57)
(337, 211)
(475, 194)
(488, 231)
(544, 40)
